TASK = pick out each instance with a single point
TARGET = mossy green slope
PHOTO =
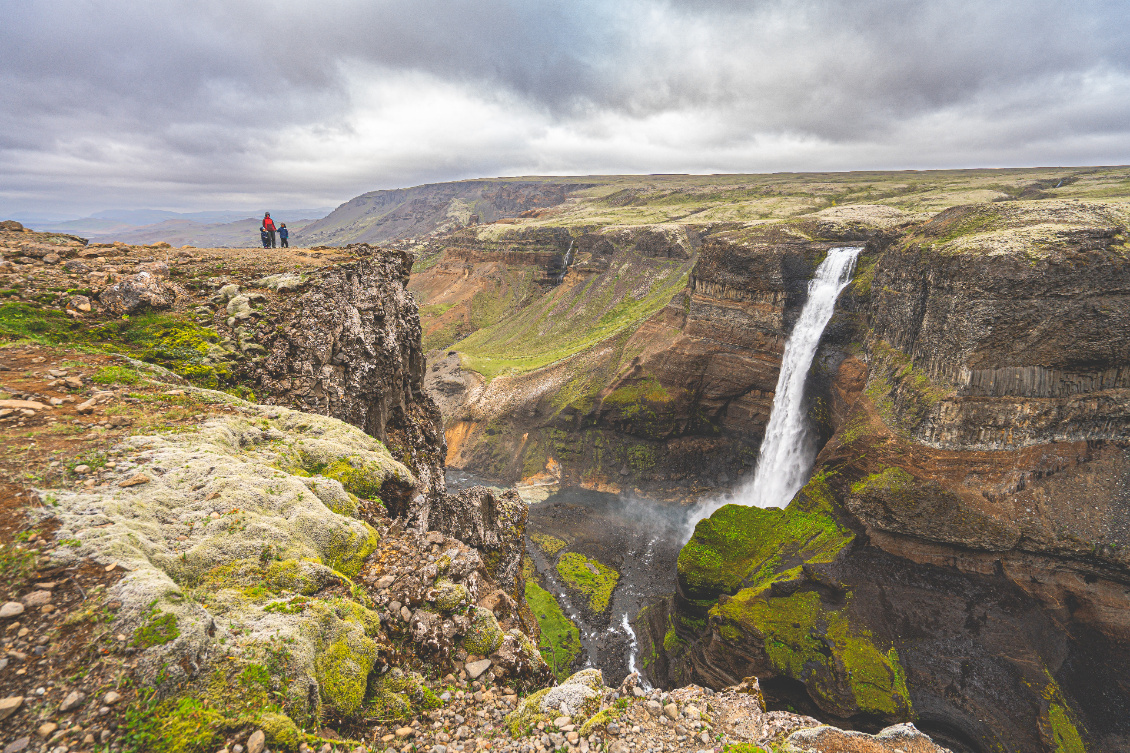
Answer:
(740, 546)
(560, 640)
(572, 318)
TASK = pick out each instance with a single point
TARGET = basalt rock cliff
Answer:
(958, 557)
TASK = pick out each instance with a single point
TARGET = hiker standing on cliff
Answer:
(270, 225)
(284, 234)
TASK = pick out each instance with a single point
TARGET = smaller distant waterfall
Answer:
(787, 452)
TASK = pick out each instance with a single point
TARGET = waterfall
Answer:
(787, 451)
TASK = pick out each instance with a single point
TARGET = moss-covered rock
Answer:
(844, 670)
(342, 667)
(593, 579)
(281, 731)
(523, 720)
(749, 545)
(448, 596)
(399, 695)
(484, 636)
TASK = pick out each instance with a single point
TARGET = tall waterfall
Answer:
(787, 451)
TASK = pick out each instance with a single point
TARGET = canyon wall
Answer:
(958, 556)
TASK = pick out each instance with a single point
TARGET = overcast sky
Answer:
(215, 104)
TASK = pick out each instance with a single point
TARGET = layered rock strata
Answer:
(957, 557)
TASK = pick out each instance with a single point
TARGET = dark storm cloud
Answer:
(315, 101)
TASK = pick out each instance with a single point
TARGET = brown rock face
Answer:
(973, 502)
(347, 344)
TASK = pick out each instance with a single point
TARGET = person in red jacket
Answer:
(270, 225)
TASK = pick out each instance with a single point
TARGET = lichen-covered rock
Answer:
(143, 291)
(579, 696)
(283, 282)
(219, 515)
(901, 738)
(518, 659)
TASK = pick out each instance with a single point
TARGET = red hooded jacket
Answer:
(269, 224)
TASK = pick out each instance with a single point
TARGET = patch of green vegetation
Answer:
(591, 578)
(16, 564)
(21, 321)
(1059, 728)
(743, 748)
(572, 318)
(815, 644)
(629, 398)
(560, 640)
(742, 546)
(168, 340)
(551, 545)
(116, 375)
(159, 630)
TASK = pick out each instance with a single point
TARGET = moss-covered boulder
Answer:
(484, 636)
(399, 695)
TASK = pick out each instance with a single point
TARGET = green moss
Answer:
(630, 398)
(342, 670)
(399, 696)
(347, 551)
(159, 630)
(484, 636)
(449, 596)
(894, 481)
(116, 375)
(522, 720)
(739, 546)
(599, 721)
(21, 321)
(560, 640)
(364, 481)
(187, 725)
(281, 731)
(591, 578)
(815, 644)
(1057, 721)
(551, 545)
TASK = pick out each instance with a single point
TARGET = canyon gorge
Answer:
(517, 422)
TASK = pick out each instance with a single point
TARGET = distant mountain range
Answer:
(217, 229)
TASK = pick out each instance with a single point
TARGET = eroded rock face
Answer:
(492, 521)
(346, 343)
(957, 557)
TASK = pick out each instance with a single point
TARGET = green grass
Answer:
(116, 375)
(560, 640)
(578, 572)
(178, 344)
(570, 319)
(16, 564)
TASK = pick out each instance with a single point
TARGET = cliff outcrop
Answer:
(260, 566)
(957, 556)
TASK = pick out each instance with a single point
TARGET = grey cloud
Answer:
(204, 94)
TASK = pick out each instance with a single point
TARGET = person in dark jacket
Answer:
(284, 234)
(265, 236)
(270, 225)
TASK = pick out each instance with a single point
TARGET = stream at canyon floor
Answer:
(638, 538)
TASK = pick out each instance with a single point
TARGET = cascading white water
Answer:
(787, 452)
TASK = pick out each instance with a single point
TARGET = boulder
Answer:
(143, 291)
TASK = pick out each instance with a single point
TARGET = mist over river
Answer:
(638, 538)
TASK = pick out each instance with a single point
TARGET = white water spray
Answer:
(787, 451)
